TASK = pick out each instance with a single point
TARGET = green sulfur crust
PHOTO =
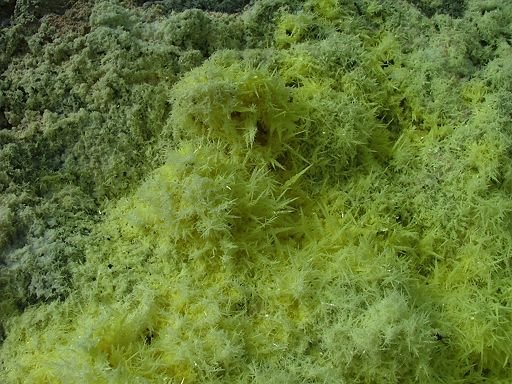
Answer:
(312, 192)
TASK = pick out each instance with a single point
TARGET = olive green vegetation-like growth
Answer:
(218, 268)
(332, 208)
(246, 109)
(81, 105)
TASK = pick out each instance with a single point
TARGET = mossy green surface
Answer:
(312, 192)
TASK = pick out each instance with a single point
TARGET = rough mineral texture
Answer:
(262, 191)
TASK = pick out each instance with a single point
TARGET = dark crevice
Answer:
(453, 8)
(6, 12)
(224, 6)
